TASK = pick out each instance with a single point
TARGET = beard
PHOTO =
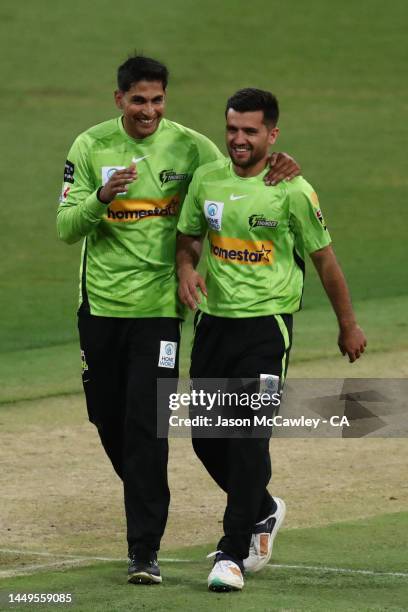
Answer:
(252, 159)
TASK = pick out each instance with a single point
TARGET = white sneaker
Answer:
(260, 549)
(226, 575)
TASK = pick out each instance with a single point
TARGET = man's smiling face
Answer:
(142, 106)
(248, 138)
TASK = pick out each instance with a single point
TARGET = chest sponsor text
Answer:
(123, 211)
(245, 252)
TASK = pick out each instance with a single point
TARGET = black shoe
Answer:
(143, 572)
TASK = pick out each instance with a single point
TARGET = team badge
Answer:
(213, 213)
(108, 171)
(167, 176)
(168, 354)
(269, 384)
(261, 221)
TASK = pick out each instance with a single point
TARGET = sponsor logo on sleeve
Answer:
(315, 203)
(69, 172)
(314, 199)
(168, 354)
(64, 193)
(319, 215)
(213, 213)
(261, 221)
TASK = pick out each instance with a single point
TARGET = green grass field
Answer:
(346, 566)
(339, 71)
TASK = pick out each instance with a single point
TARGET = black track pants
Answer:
(240, 348)
(120, 368)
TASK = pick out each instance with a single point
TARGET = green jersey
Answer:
(258, 237)
(128, 256)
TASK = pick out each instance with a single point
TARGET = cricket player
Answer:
(258, 238)
(124, 183)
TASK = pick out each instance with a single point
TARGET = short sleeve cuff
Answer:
(312, 246)
(188, 230)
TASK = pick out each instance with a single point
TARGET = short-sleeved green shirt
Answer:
(128, 258)
(258, 236)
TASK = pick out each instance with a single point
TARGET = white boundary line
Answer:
(337, 570)
(32, 553)
(78, 559)
(33, 569)
(81, 557)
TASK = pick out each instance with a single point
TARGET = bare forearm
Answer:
(335, 285)
(188, 252)
(188, 255)
(351, 340)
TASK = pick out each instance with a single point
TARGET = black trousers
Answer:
(120, 367)
(240, 348)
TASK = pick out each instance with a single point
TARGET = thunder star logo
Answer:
(167, 176)
(260, 221)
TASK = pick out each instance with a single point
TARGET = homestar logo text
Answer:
(234, 250)
(213, 214)
(134, 210)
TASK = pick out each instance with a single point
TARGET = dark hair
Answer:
(141, 68)
(251, 99)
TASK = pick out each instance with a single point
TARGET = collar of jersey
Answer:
(147, 140)
(252, 179)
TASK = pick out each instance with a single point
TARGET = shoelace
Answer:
(213, 554)
(216, 552)
(134, 559)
